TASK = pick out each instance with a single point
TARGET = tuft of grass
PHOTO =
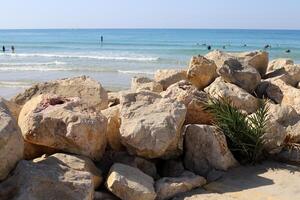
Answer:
(243, 133)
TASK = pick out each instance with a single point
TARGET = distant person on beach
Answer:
(245, 45)
(224, 47)
(209, 47)
(3, 48)
(12, 49)
(102, 39)
(267, 46)
(288, 51)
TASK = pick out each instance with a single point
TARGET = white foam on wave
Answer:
(136, 72)
(33, 63)
(14, 84)
(32, 68)
(126, 58)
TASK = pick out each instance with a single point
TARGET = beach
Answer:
(43, 55)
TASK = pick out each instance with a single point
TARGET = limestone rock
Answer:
(257, 59)
(171, 168)
(167, 187)
(151, 125)
(279, 63)
(206, 149)
(91, 92)
(32, 151)
(193, 99)
(11, 142)
(268, 90)
(239, 97)
(113, 124)
(290, 74)
(113, 99)
(167, 77)
(242, 75)
(129, 183)
(283, 114)
(201, 71)
(59, 176)
(144, 83)
(62, 124)
(13, 108)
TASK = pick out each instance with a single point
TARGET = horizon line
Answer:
(174, 28)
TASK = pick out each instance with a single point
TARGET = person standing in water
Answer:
(12, 49)
(102, 39)
(3, 49)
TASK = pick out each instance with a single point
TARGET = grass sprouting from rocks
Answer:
(243, 133)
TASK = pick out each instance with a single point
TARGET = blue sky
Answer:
(255, 14)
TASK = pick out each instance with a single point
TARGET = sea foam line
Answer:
(32, 63)
(85, 56)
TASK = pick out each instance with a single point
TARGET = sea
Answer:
(49, 54)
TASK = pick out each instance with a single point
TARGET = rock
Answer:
(113, 124)
(11, 141)
(206, 149)
(279, 63)
(113, 99)
(290, 74)
(171, 168)
(293, 133)
(13, 108)
(151, 125)
(90, 91)
(144, 83)
(267, 90)
(290, 95)
(167, 77)
(129, 183)
(239, 97)
(104, 196)
(59, 176)
(242, 75)
(201, 71)
(283, 114)
(289, 155)
(257, 59)
(142, 164)
(193, 99)
(167, 187)
(62, 124)
(32, 151)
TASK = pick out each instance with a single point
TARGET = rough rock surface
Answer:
(59, 176)
(206, 149)
(144, 83)
(32, 151)
(167, 187)
(61, 123)
(151, 125)
(167, 77)
(201, 71)
(279, 63)
(193, 99)
(11, 141)
(113, 124)
(129, 183)
(113, 99)
(290, 74)
(90, 91)
(257, 59)
(240, 74)
(239, 97)
(171, 168)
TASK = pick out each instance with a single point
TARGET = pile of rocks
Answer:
(70, 139)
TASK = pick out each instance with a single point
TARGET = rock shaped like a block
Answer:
(167, 77)
(239, 97)
(62, 124)
(151, 125)
(59, 176)
(168, 187)
(11, 141)
(145, 83)
(201, 71)
(91, 92)
(206, 150)
(129, 183)
(279, 63)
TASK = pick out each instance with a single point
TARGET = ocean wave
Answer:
(126, 58)
(136, 72)
(15, 84)
(33, 63)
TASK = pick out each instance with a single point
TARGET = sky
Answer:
(241, 14)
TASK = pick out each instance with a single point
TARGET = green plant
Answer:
(243, 133)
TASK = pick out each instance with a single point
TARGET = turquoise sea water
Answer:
(43, 55)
